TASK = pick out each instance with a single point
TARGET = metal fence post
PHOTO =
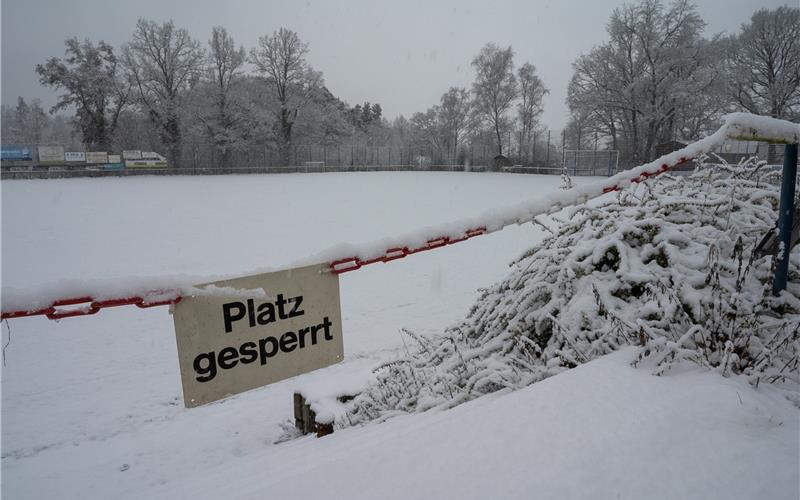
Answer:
(785, 216)
(547, 157)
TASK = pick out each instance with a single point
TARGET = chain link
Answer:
(355, 262)
(644, 176)
(89, 306)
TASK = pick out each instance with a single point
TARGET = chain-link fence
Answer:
(547, 152)
(733, 151)
(544, 151)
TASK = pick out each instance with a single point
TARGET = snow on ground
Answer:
(86, 395)
(602, 430)
(91, 407)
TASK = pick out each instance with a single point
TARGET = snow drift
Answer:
(668, 266)
(601, 431)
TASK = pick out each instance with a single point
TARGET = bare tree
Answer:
(162, 61)
(429, 134)
(402, 138)
(223, 111)
(281, 59)
(324, 120)
(531, 93)
(25, 123)
(670, 41)
(454, 115)
(91, 80)
(495, 87)
(764, 63)
(644, 82)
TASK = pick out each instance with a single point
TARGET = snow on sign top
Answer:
(228, 345)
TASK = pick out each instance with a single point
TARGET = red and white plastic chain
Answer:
(352, 263)
(91, 306)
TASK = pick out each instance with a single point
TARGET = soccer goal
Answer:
(590, 161)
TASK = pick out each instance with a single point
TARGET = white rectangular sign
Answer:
(97, 157)
(51, 154)
(75, 156)
(132, 155)
(114, 159)
(228, 344)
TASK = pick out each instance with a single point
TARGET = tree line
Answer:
(162, 90)
(656, 78)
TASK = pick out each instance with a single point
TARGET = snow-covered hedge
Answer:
(667, 265)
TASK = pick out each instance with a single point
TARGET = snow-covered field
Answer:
(91, 407)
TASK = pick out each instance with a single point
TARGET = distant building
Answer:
(500, 161)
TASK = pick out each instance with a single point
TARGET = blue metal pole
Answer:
(785, 217)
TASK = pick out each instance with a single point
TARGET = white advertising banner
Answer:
(51, 154)
(132, 155)
(97, 157)
(75, 156)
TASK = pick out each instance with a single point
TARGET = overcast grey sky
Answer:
(402, 54)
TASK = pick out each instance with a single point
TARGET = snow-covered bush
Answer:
(667, 265)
